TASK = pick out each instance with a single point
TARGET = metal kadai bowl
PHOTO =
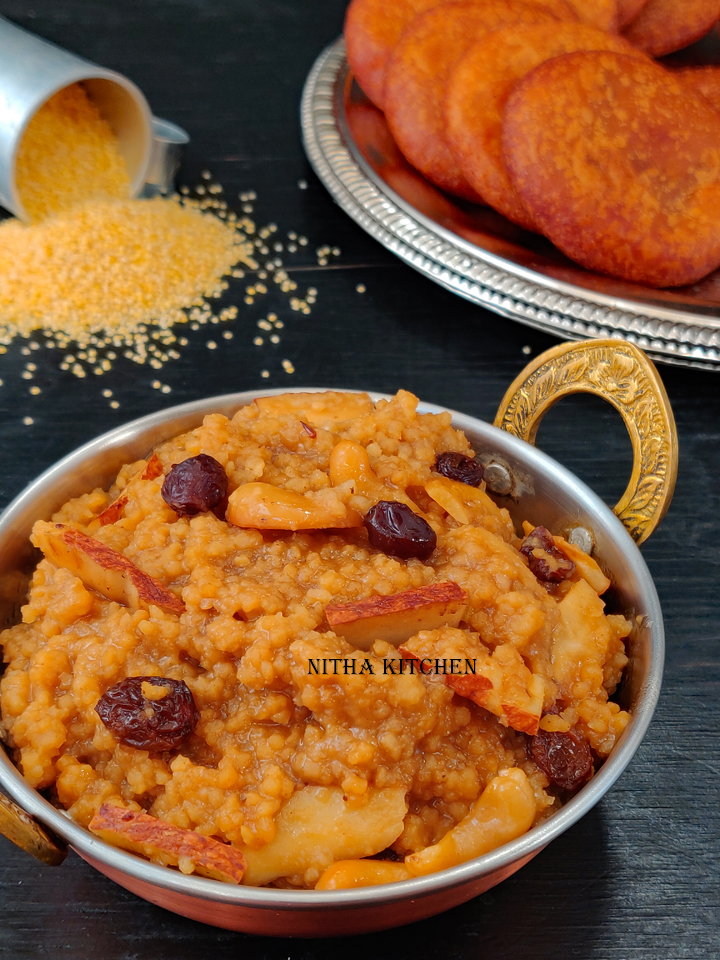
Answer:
(533, 487)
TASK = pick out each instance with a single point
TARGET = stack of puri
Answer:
(555, 113)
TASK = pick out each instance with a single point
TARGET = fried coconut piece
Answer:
(418, 71)
(372, 29)
(619, 164)
(662, 26)
(628, 10)
(478, 90)
(597, 13)
(103, 569)
(704, 80)
(169, 845)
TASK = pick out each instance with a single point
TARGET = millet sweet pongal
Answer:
(177, 685)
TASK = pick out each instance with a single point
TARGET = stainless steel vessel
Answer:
(533, 487)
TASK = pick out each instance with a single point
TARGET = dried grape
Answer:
(457, 466)
(565, 758)
(146, 723)
(543, 557)
(195, 486)
(398, 531)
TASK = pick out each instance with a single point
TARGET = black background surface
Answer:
(638, 877)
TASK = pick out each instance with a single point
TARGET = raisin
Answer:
(543, 557)
(398, 531)
(565, 758)
(456, 466)
(194, 486)
(147, 724)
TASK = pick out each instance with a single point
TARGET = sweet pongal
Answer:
(304, 647)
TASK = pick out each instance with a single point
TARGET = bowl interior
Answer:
(543, 492)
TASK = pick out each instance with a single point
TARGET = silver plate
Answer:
(478, 254)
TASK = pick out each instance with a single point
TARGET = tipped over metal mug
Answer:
(32, 70)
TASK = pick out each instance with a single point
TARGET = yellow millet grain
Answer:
(67, 156)
(113, 266)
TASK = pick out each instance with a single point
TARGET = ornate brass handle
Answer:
(621, 374)
(27, 834)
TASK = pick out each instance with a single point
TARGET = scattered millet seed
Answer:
(28, 421)
(115, 272)
(274, 338)
(527, 349)
(165, 388)
(35, 391)
(258, 341)
(288, 367)
(112, 266)
(114, 404)
(107, 393)
(361, 288)
(302, 184)
(264, 374)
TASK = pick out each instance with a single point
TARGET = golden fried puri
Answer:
(666, 25)
(372, 29)
(418, 71)
(618, 162)
(628, 10)
(597, 13)
(478, 90)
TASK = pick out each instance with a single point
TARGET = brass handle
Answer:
(621, 374)
(27, 834)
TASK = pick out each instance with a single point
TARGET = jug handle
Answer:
(623, 375)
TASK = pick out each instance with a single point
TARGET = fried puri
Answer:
(372, 29)
(662, 26)
(618, 162)
(628, 10)
(704, 80)
(478, 90)
(418, 71)
(597, 13)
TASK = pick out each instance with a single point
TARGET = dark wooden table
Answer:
(636, 878)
